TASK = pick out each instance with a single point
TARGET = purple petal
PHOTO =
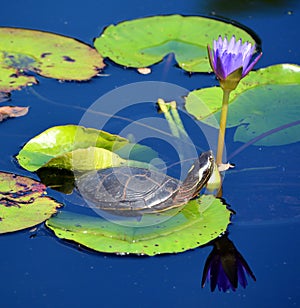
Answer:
(225, 61)
(237, 47)
(231, 62)
(246, 48)
(214, 273)
(215, 47)
(225, 43)
(241, 275)
(247, 58)
(232, 43)
(207, 268)
(248, 51)
(220, 71)
(219, 44)
(252, 49)
(228, 56)
(236, 62)
(250, 67)
(245, 265)
(211, 58)
(223, 282)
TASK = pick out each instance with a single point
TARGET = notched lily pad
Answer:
(264, 100)
(274, 107)
(195, 225)
(284, 74)
(23, 203)
(48, 54)
(142, 42)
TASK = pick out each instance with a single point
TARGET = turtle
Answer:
(133, 191)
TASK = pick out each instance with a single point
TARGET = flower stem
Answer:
(222, 129)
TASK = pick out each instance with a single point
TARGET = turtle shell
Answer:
(127, 189)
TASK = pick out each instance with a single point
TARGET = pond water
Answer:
(42, 271)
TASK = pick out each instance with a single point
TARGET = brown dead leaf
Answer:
(12, 112)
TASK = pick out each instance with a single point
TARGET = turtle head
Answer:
(197, 176)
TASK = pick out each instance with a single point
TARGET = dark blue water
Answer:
(44, 272)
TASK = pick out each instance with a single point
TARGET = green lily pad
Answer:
(78, 148)
(90, 159)
(195, 225)
(142, 42)
(284, 74)
(45, 53)
(264, 100)
(266, 108)
(23, 203)
(60, 140)
(86, 159)
(11, 79)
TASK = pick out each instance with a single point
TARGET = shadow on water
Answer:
(248, 6)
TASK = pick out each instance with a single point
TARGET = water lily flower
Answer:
(231, 61)
(225, 267)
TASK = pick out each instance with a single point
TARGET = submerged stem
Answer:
(222, 129)
(164, 107)
(177, 119)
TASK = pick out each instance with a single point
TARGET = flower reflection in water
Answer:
(225, 267)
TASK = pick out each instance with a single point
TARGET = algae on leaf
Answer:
(47, 54)
(23, 203)
(142, 42)
(11, 78)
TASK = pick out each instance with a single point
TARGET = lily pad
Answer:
(78, 148)
(284, 74)
(195, 225)
(264, 109)
(263, 101)
(23, 203)
(48, 54)
(11, 79)
(90, 159)
(86, 159)
(142, 42)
